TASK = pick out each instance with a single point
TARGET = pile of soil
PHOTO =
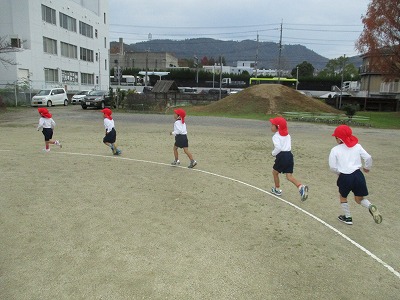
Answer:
(269, 99)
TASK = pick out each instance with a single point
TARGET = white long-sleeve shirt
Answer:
(179, 128)
(46, 123)
(281, 143)
(108, 124)
(345, 160)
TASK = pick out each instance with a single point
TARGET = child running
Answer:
(284, 162)
(47, 124)
(345, 160)
(181, 140)
(111, 135)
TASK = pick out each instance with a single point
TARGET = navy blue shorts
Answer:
(181, 141)
(110, 137)
(48, 134)
(284, 162)
(354, 182)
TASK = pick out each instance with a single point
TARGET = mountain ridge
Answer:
(266, 53)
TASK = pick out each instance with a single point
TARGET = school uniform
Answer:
(111, 134)
(180, 133)
(346, 162)
(47, 125)
(284, 161)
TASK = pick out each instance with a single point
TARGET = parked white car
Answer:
(77, 98)
(50, 97)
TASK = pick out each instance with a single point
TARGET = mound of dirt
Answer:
(269, 99)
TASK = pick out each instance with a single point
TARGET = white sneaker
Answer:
(276, 191)
(303, 190)
(46, 150)
(193, 163)
(57, 143)
(176, 162)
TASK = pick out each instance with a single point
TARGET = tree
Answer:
(380, 39)
(334, 69)
(204, 61)
(305, 70)
(5, 47)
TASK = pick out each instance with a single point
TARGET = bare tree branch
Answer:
(5, 47)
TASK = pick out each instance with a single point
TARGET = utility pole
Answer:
(341, 84)
(197, 70)
(279, 58)
(147, 67)
(255, 65)
(213, 74)
(297, 77)
(220, 78)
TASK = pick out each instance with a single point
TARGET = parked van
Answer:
(50, 97)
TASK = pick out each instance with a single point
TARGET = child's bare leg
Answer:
(358, 199)
(275, 174)
(290, 177)
(186, 150)
(176, 152)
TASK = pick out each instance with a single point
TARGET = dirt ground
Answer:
(79, 223)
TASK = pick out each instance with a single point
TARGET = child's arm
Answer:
(40, 125)
(367, 159)
(333, 162)
(277, 148)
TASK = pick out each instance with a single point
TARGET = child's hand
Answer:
(365, 170)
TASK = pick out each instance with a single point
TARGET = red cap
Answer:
(107, 112)
(181, 113)
(44, 112)
(281, 124)
(345, 134)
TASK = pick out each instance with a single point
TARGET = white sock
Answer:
(365, 203)
(346, 209)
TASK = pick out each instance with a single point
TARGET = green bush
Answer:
(350, 110)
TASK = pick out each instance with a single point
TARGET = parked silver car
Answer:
(50, 97)
(76, 99)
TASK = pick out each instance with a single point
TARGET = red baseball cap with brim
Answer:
(345, 134)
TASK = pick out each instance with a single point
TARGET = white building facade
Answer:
(243, 66)
(58, 44)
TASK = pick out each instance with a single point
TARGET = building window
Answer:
(87, 78)
(105, 18)
(15, 43)
(86, 54)
(105, 64)
(67, 22)
(48, 14)
(95, 33)
(69, 76)
(85, 29)
(68, 50)
(51, 75)
(49, 45)
(105, 42)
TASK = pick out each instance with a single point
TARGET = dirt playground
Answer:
(80, 223)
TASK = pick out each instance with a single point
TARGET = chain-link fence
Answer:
(15, 95)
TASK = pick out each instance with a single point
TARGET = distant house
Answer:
(147, 60)
(374, 83)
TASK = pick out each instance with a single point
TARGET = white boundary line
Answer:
(363, 249)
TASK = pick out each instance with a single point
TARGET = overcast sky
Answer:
(330, 28)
